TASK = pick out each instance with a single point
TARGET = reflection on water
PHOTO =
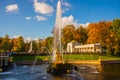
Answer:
(111, 72)
(101, 72)
(89, 72)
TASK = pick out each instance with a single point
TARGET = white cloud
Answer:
(37, 17)
(27, 40)
(17, 36)
(66, 4)
(85, 25)
(40, 18)
(12, 8)
(28, 18)
(69, 20)
(42, 7)
(37, 39)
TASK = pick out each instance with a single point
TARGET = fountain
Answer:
(58, 66)
(57, 35)
(30, 50)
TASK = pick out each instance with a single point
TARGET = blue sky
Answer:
(36, 18)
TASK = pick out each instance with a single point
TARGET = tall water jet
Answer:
(58, 66)
(57, 35)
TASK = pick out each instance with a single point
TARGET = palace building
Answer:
(79, 47)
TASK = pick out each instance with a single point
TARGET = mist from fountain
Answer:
(37, 57)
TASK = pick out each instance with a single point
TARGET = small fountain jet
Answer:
(30, 50)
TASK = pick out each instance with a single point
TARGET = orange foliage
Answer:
(99, 32)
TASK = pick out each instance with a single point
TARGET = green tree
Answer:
(109, 50)
(116, 26)
(49, 42)
(34, 46)
(117, 50)
(116, 30)
(20, 44)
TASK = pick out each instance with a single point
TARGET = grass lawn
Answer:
(89, 57)
(110, 58)
(23, 58)
(29, 58)
(66, 57)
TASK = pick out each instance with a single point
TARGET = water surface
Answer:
(88, 72)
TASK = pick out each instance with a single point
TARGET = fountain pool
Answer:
(88, 72)
(39, 73)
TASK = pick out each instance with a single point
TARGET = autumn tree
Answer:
(18, 44)
(39, 44)
(0, 39)
(15, 47)
(27, 46)
(5, 43)
(80, 34)
(98, 32)
(0, 44)
(68, 34)
(11, 44)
